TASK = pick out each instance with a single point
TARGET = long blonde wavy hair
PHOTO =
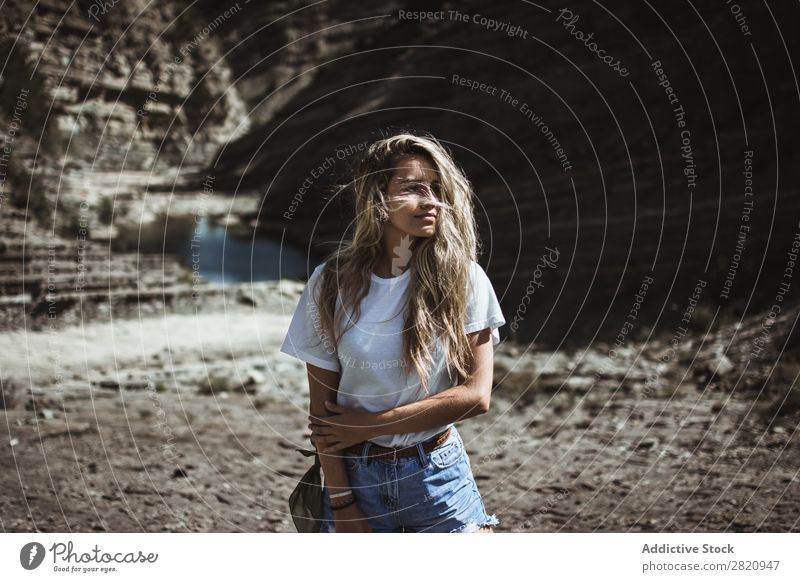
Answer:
(440, 265)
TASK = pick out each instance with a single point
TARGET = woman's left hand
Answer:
(345, 427)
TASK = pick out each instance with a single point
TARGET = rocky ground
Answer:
(188, 422)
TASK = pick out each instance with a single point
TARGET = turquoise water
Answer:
(222, 254)
(225, 257)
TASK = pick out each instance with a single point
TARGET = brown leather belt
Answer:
(378, 452)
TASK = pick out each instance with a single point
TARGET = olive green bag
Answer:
(305, 502)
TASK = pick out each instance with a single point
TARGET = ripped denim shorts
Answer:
(434, 492)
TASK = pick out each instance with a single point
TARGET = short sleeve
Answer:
(306, 340)
(484, 309)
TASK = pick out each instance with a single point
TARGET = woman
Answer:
(415, 356)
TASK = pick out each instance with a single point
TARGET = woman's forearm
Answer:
(451, 405)
(465, 400)
(324, 385)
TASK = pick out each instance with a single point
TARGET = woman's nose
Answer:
(425, 204)
(427, 196)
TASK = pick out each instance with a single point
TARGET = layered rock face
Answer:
(620, 158)
(125, 99)
(128, 85)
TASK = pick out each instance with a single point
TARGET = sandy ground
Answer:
(122, 434)
(141, 343)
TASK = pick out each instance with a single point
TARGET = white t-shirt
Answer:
(370, 358)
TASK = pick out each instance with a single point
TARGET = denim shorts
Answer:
(437, 494)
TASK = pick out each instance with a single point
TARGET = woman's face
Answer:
(412, 187)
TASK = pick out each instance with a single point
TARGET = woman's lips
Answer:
(426, 216)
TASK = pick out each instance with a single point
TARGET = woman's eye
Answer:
(421, 190)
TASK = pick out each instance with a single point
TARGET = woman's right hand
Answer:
(351, 519)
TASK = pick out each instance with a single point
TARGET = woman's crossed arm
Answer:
(349, 426)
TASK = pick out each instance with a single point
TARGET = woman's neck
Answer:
(386, 270)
